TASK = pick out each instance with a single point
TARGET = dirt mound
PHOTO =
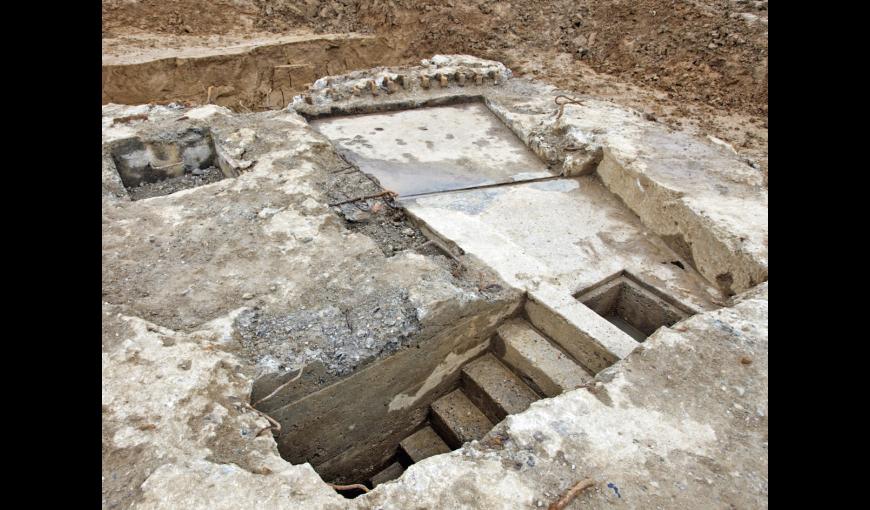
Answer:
(707, 51)
(198, 17)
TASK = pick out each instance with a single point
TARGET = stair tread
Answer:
(390, 472)
(495, 389)
(532, 354)
(458, 419)
(423, 444)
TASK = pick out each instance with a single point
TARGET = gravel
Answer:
(197, 177)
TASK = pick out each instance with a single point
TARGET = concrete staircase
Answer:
(521, 367)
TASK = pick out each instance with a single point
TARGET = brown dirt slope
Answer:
(708, 51)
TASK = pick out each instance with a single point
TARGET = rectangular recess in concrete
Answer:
(632, 306)
(171, 162)
(433, 149)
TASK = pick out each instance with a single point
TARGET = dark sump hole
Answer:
(633, 306)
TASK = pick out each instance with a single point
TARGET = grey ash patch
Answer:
(380, 218)
(342, 336)
(189, 180)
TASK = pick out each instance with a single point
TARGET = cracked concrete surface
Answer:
(215, 291)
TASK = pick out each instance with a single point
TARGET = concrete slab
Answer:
(423, 444)
(494, 389)
(433, 149)
(571, 233)
(528, 352)
(458, 420)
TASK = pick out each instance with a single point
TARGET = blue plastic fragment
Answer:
(615, 489)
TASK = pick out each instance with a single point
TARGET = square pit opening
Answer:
(168, 163)
(634, 307)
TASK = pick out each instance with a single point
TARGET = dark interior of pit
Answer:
(354, 437)
(169, 163)
(632, 306)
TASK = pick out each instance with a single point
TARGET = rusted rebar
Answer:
(567, 100)
(273, 425)
(279, 388)
(351, 486)
(571, 494)
(387, 193)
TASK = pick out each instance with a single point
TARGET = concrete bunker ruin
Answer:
(437, 396)
(377, 354)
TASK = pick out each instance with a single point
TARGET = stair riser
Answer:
(538, 361)
(444, 430)
(482, 400)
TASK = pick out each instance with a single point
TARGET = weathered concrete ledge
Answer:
(594, 342)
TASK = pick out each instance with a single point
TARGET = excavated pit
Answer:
(437, 395)
(168, 163)
(632, 306)
(368, 428)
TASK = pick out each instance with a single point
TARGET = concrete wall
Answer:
(350, 429)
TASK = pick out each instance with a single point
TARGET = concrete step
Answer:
(494, 389)
(525, 350)
(391, 472)
(423, 444)
(458, 420)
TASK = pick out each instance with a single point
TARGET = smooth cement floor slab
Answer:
(427, 150)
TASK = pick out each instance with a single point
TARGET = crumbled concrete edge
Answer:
(175, 418)
(357, 89)
(175, 399)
